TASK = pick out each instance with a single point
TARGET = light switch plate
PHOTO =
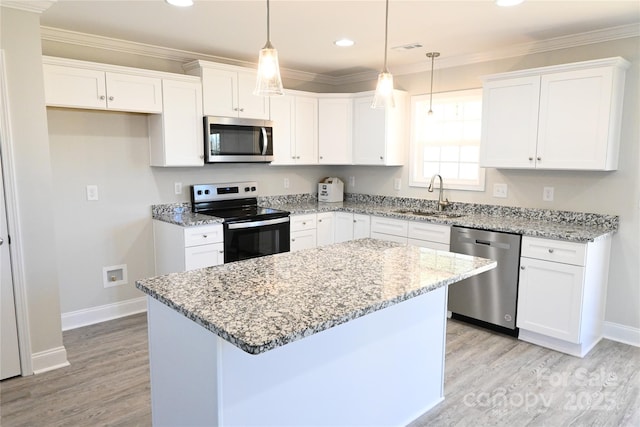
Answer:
(500, 190)
(177, 187)
(92, 192)
(397, 184)
(547, 194)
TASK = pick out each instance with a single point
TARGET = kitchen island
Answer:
(347, 334)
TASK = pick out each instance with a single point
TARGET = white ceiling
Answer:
(303, 31)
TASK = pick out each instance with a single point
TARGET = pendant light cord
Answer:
(386, 32)
(433, 57)
(268, 21)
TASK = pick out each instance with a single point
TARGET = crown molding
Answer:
(182, 56)
(28, 6)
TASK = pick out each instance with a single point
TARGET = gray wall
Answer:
(114, 156)
(20, 40)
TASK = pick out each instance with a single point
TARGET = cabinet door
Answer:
(324, 229)
(335, 130)
(361, 226)
(203, 256)
(510, 122)
(74, 87)
(282, 115)
(369, 133)
(574, 122)
(550, 298)
(306, 130)
(304, 239)
(250, 105)
(344, 225)
(436, 233)
(220, 92)
(175, 136)
(127, 92)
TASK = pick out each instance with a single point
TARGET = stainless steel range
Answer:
(249, 230)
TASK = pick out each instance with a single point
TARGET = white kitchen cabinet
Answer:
(394, 230)
(175, 136)
(180, 248)
(562, 293)
(335, 130)
(295, 128)
(563, 117)
(428, 235)
(350, 226)
(303, 232)
(325, 228)
(79, 84)
(227, 90)
(379, 134)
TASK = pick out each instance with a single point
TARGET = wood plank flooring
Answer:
(491, 380)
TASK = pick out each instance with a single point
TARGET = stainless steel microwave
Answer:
(236, 140)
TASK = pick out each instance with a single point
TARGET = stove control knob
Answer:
(253, 188)
(246, 189)
(199, 192)
(206, 191)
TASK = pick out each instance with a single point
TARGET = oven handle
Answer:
(253, 224)
(265, 143)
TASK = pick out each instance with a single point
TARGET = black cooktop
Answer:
(238, 210)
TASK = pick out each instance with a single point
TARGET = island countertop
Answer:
(263, 303)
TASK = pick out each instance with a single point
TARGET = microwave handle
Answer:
(265, 141)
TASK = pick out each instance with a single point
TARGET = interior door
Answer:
(9, 353)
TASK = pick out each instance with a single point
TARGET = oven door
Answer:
(250, 239)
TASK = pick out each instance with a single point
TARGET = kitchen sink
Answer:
(435, 214)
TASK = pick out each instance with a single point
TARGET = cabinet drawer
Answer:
(395, 227)
(554, 250)
(431, 232)
(203, 256)
(195, 236)
(303, 222)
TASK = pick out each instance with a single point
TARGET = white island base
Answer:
(385, 368)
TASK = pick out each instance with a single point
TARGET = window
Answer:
(448, 141)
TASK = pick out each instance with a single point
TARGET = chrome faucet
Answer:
(441, 203)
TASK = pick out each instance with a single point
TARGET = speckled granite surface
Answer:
(550, 224)
(263, 303)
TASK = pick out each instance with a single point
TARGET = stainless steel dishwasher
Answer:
(488, 299)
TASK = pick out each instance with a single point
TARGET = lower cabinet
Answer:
(427, 235)
(349, 226)
(394, 230)
(562, 293)
(180, 248)
(325, 228)
(303, 232)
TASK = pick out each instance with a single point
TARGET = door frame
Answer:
(13, 226)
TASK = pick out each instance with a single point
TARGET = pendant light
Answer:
(384, 90)
(433, 56)
(269, 82)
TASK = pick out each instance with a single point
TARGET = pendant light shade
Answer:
(384, 90)
(433, 56)
(269, 82)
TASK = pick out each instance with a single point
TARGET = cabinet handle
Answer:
(111, 98)
(531, 159)
(1, 241)
(204, 236)
(241, 110)
(293, 240)
(354, 221)
(319, 220)
(522, 267)
(550, 251)
(102, 97)
(235, 109)
(298, 157)
(220, 252)
(201, 156)
(304, 223)
(381, 158)
(321, 157)
(539, 158)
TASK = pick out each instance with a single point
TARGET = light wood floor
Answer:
(490, 380)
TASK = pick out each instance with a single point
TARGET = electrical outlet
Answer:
(500, 190)
(177, 187)
(547, 194)
(92, 192)
(352, 181)
(286, 183)
(397, 184)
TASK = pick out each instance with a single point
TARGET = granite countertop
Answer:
(263, 303)
(559, 225)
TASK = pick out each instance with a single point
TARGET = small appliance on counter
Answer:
(330, 190)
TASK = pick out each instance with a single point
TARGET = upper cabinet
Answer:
(335, 129)
(227, 90)
(379, 134)
(295, 128)
(561, 117)
(77, 84)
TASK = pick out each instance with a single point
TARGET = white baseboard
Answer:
(621, 333)
(49, 360)
(102, 313)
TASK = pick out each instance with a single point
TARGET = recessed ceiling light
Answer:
(180, 3)
(344, 43)
(507, 3)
